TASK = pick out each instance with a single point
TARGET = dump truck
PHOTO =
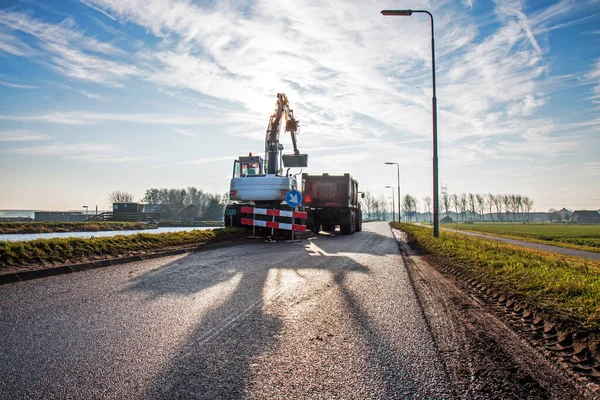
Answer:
(331, 200)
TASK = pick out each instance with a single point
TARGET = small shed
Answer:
(446, 220)
(585, 217)
(127, 208)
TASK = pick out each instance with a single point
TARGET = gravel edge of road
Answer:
(13, 277)
(587, 389)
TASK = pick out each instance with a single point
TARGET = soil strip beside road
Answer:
(485, 357)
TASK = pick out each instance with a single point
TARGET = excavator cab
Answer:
(248, 166)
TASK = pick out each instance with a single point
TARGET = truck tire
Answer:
(353, 214)
(346, 222)
(328, 227)
(315, 228)
(358, 222)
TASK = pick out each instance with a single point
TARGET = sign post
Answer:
(293, 199)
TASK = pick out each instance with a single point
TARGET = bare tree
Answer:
(446, 202)
(120, 196)
(409, 204)
(384, 203)
(498, 201)
(490, 202)
(368, 203)
(376, 209)
(463, 205)
(506, 202)
(480, 204)
(471, 199)
(528, 204)
(427, 203)
(456, 203)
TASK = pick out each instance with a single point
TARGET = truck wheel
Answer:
(346, 224)
(359, 222)
(353, 219)
(315, 228)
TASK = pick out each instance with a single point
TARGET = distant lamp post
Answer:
(399, 197)
(86, 209)
(436, 203)
(393, 203)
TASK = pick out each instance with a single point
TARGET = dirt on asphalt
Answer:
(484, 357)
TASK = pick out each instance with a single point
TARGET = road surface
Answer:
(332, 317)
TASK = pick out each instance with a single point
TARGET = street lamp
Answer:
(393, 203)
(408, 13)
(86, 209)
(399, 197)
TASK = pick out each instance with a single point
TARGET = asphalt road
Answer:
(333, 317)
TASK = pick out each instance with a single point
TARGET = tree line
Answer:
(180, 204)
(375, 208)
(466, 206)
(501, 207)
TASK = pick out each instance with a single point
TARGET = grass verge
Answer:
(47, 227)
(565, 289)
(189, 223)
(579, 237)
(44, 252)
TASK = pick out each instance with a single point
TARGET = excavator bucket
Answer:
(295, 161)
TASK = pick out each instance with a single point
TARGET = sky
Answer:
(103, 95)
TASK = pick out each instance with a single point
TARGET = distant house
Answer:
(585, 217)
(59, 216)
(446, 220)
(564, 214)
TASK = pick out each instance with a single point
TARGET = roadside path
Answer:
(543, 247)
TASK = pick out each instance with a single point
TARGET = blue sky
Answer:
(99, 95)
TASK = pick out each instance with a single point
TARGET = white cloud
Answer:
(17, 85)
(67, 50)
(20, 135)
(92, 152)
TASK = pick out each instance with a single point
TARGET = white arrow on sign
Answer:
(293, 198)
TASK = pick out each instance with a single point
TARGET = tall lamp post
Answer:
(436, 203)
(393, 203)
(399, 197)
(86, 209)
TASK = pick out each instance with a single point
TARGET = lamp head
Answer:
(403, 13)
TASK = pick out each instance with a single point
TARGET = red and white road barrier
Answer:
(273, 224)
(274, 213)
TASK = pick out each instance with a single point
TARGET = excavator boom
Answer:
(272, 145)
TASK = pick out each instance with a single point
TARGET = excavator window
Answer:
(252, 168)
(236, 169)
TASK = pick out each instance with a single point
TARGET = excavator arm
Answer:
(272, 145)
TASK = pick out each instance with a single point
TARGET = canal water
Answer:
(86, 235)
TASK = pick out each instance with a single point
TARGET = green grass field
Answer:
(567, 289)
(581, 237)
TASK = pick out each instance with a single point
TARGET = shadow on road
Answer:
(218, 355)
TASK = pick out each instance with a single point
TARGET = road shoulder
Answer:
(484, 356)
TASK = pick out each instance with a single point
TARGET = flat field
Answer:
(581, 237)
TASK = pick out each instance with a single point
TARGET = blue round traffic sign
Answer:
(293, 198)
